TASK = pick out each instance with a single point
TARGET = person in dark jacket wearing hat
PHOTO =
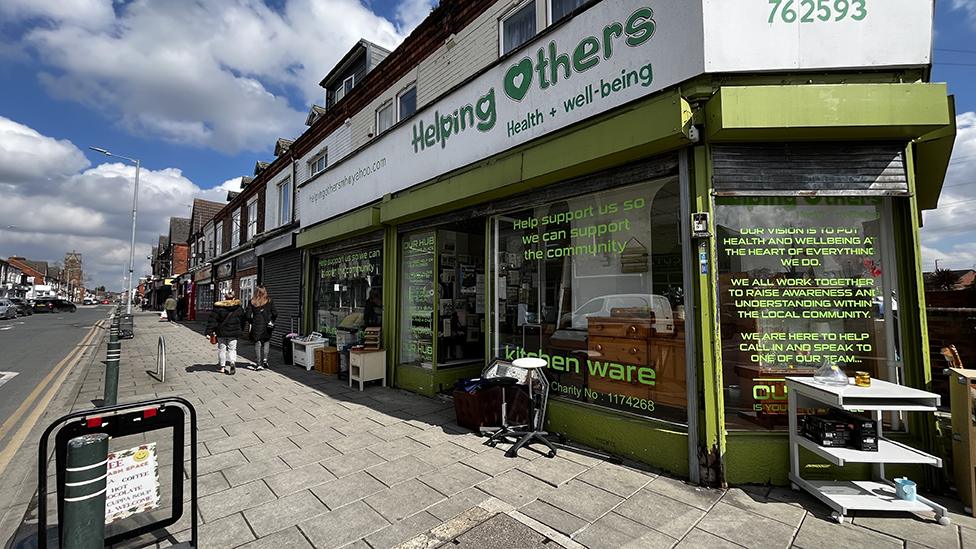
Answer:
(227, 323)
(261, 314)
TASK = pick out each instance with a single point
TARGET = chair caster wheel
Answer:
(491, 444)
(944, 521)
(838, 518)
(551, 454)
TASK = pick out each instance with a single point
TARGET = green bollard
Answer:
(112, 357)
(84, 492)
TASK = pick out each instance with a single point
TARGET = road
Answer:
(31, 346)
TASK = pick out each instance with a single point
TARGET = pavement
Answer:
(296, 459)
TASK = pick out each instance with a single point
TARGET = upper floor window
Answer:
(284, 202)
(235, 235)
(518, 27)
(384, 117)
(252, 218)
(318, 163)
(407, 102)
(561, 8)
(345, 88)
(219, 238)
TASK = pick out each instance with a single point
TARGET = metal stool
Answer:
(533, 432)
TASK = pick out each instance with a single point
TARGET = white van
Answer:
(601, 307)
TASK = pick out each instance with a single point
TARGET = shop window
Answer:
(594, 285)
(348, 294)
(248, 284)
(803, 281)
(443, 296)
(518, 27)
(561, 8)
(384, 117)
(407, 102)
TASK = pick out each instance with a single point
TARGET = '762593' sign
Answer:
(813, 11)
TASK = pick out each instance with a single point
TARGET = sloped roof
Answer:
(179, 230)
(203, 211)
(282, 145)
(260, 166)
(314, 113)
(361, 46)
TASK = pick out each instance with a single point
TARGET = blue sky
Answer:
(200, 89)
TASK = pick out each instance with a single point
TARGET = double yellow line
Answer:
(34, 406)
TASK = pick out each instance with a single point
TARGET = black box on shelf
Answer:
(863, 432)
(825, 431)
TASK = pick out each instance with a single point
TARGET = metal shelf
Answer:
(889, 451)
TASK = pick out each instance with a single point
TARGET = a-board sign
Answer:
(132, 482)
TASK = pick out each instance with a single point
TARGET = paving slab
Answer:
(351, 462)
(342, 526)
(294, 480)
(291, 538)
(583, 500)
(614, 531)
(402, 531)
(699, 539)
(403, 500)
(242, 474)
(745, 528)
(924, 531)
(616, 479)
(696, 496)
(399, 470)
(458, 503)
(453, 479)
(515, 488)
(791, 515)
(234, 500)
(555, 518)
(661, 513)
(821, 532)
(553, 471)
(348, 489)
(284, 512)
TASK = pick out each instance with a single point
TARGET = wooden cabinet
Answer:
(633, 343)
(366, 366)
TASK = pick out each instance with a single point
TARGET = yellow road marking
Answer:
(58, 374)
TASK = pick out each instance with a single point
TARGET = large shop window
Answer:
(803, 281)
(349, 294)
(442, 297)
(594, 285)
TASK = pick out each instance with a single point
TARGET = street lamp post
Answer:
(132, 242)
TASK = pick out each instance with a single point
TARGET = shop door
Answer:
(442, 308)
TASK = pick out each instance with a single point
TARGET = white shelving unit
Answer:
(877, 494)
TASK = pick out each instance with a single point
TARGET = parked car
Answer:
(24, 308)
(54, 305)
(88, 301)
(7, 309)
(106, 302)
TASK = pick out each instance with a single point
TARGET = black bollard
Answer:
(112, 357)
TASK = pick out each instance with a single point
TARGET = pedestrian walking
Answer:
(170, 306)
(261, 314)
(226, 326)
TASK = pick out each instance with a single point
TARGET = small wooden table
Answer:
(367, 365)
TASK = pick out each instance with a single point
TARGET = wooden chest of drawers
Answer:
(633, 342)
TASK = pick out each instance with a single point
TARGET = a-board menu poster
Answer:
(417, 314)
(801, 284)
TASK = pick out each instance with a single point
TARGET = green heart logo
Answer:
(518, 79)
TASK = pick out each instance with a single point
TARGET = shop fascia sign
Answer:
(611, 54)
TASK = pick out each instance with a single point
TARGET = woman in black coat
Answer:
(261, 314)
(226, 322)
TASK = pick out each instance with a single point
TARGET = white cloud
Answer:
(84, 208)
(949, 233)
(26, 156)
(411, 12)
(206, 74)
(969, 6)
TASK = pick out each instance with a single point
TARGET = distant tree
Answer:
(100, 289)
(944, 279)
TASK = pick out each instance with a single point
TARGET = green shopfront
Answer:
(545, 208)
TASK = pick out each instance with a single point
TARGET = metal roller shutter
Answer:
(867, 169)
(282, 275)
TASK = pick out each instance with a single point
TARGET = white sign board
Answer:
(132, 483)
(769, 35)
(613, 53)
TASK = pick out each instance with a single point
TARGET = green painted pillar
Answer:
(84, 492)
